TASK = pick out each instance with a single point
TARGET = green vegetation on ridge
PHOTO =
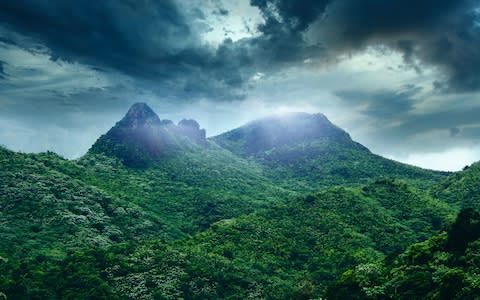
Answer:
(306, 152)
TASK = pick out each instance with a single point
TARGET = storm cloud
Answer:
(443, 34)
(161, 40)
(149, 40)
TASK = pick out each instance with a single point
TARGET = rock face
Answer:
(140, 115)
(140, 137)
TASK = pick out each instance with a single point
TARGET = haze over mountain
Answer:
(401, 77)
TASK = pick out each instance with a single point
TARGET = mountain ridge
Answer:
(277, 130)
(290, 147)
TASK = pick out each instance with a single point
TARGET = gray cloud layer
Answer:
(150, 40)
(443, 33)
(157, 40)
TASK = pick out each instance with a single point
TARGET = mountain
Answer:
(155, 210)
(291, 251)
(304, 151)
(141, 137)
(298, 151)
(259, 136)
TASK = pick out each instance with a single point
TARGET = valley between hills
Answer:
(284, 207)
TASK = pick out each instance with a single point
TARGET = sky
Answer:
(402, 77)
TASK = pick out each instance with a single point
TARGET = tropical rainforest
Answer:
(285, 207)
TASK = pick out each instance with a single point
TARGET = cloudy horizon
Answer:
(403, 79)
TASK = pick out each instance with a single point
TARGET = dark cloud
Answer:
(442, 120)
(151, 40)
(160, 41)
(443, 33)
(470, 132)
(383, 105)
(454, 131)
(123, 34)
(393, 123)
(293, 16)
(220, 9)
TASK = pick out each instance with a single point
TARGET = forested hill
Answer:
(303, 151)
(155, 210)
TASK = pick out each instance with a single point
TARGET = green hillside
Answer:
(446, 266)
(287, 251)
(48, 212)
(462, 189)
(307, 152)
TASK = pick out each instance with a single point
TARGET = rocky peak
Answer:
(189, 123)
(140, 115)
(141, 137)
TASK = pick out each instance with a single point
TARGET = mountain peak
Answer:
(280, 130)
(140, 114)
(140, 106)
(141, 137)
(191, 129)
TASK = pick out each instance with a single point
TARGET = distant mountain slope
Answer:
(173, 172)
(189, 190)
(302, 150)
(271, 132)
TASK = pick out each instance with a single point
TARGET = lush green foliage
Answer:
(292, 209)
(284, 250)
(446, 266)
(462, 189)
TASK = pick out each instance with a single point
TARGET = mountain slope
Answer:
(288, 251)
(446, 266)
(46, 216)
(306, 151)
(461, 189)
(173, 172)
(265, 134)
